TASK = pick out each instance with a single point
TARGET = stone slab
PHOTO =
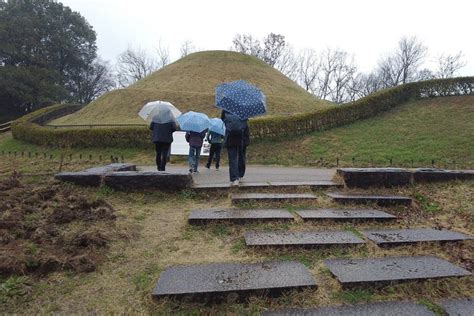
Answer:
(211, 215)
(138, 180)
(439, 175)
(379, 199)
(361, 271)
(81, 178)
(458, 307)
(375, 177)
(396, 308)
(113, 167)
(268, 197)
(403, 236)
(233, 277)
(309, 238)
(344, 214)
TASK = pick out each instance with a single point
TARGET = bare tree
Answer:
(133, 65)
(369, 83)
(163, 54)
(402, 65)
(287, 63)
(308, 69)
(449, 65)
(187, 48)
(273, 46)
(246, 44)
(343, 72)
(92, 82)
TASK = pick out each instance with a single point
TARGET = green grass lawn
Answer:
(416, 133)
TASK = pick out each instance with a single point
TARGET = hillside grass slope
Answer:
(189, 84)
(439, 129)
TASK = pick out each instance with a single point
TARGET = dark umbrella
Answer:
(241, 98)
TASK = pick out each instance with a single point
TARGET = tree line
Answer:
(49, 55)
(332, 74)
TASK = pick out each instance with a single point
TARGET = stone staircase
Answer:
(245, 278)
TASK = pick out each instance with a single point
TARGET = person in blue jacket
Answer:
(162, 137)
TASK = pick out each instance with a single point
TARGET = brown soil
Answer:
(49, 227)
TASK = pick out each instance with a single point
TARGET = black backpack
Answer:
(234, 125)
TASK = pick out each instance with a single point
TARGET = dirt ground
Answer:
(47, 227)
(138, 235)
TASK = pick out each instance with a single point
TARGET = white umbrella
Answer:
(159, 112)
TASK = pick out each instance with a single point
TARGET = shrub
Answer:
(29, 127)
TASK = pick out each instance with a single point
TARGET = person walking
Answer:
(195, 141)
(243, 150)
(233, 142)
(162, 137)
(216, 141)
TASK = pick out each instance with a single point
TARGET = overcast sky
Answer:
(364, 28)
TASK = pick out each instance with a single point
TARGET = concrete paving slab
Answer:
(233, 277)
(397, 308)
(344, 214)
(214, 215)
(362, 198)
(403, 236)
(361, 271)
(272, 197)
(458, 307)
(309, 238)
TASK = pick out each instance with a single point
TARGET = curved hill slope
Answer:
(189, 84)
(417, 132)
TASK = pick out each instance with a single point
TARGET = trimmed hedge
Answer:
(28, 128)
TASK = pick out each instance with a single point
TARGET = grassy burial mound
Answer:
(190, 82)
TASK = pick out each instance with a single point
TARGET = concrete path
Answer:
(254, 174)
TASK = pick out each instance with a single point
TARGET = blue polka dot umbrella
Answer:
(241, 98)
(193, 121)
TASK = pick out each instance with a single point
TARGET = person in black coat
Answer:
(243, 150)
(234, 144)
(162, 137)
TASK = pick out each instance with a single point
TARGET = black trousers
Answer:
(242, 157)
(214, 150)
(161, 155)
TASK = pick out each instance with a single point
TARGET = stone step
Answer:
(93, 176)
(143, 180)
(272, 197)
(373, 309)
(363, 198)
(268, 185)
(404, 236)
(375, 177)
(238, 215)
(344, 214)
(458, 307)
(221, 278)
(352, 272)
(307, 239)
(388, 177)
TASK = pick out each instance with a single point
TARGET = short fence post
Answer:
(122, 158)
(80, 156)
(432, 163)
(90, 157)
(29, 154)
(353, 161)
(454, 164)
(337, 161)
(391, 162)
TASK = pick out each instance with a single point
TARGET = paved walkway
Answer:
(255, 173)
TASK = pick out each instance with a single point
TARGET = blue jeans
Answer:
(194, 154)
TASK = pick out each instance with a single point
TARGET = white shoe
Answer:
(234, 183)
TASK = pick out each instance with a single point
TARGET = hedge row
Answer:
(28, 128)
